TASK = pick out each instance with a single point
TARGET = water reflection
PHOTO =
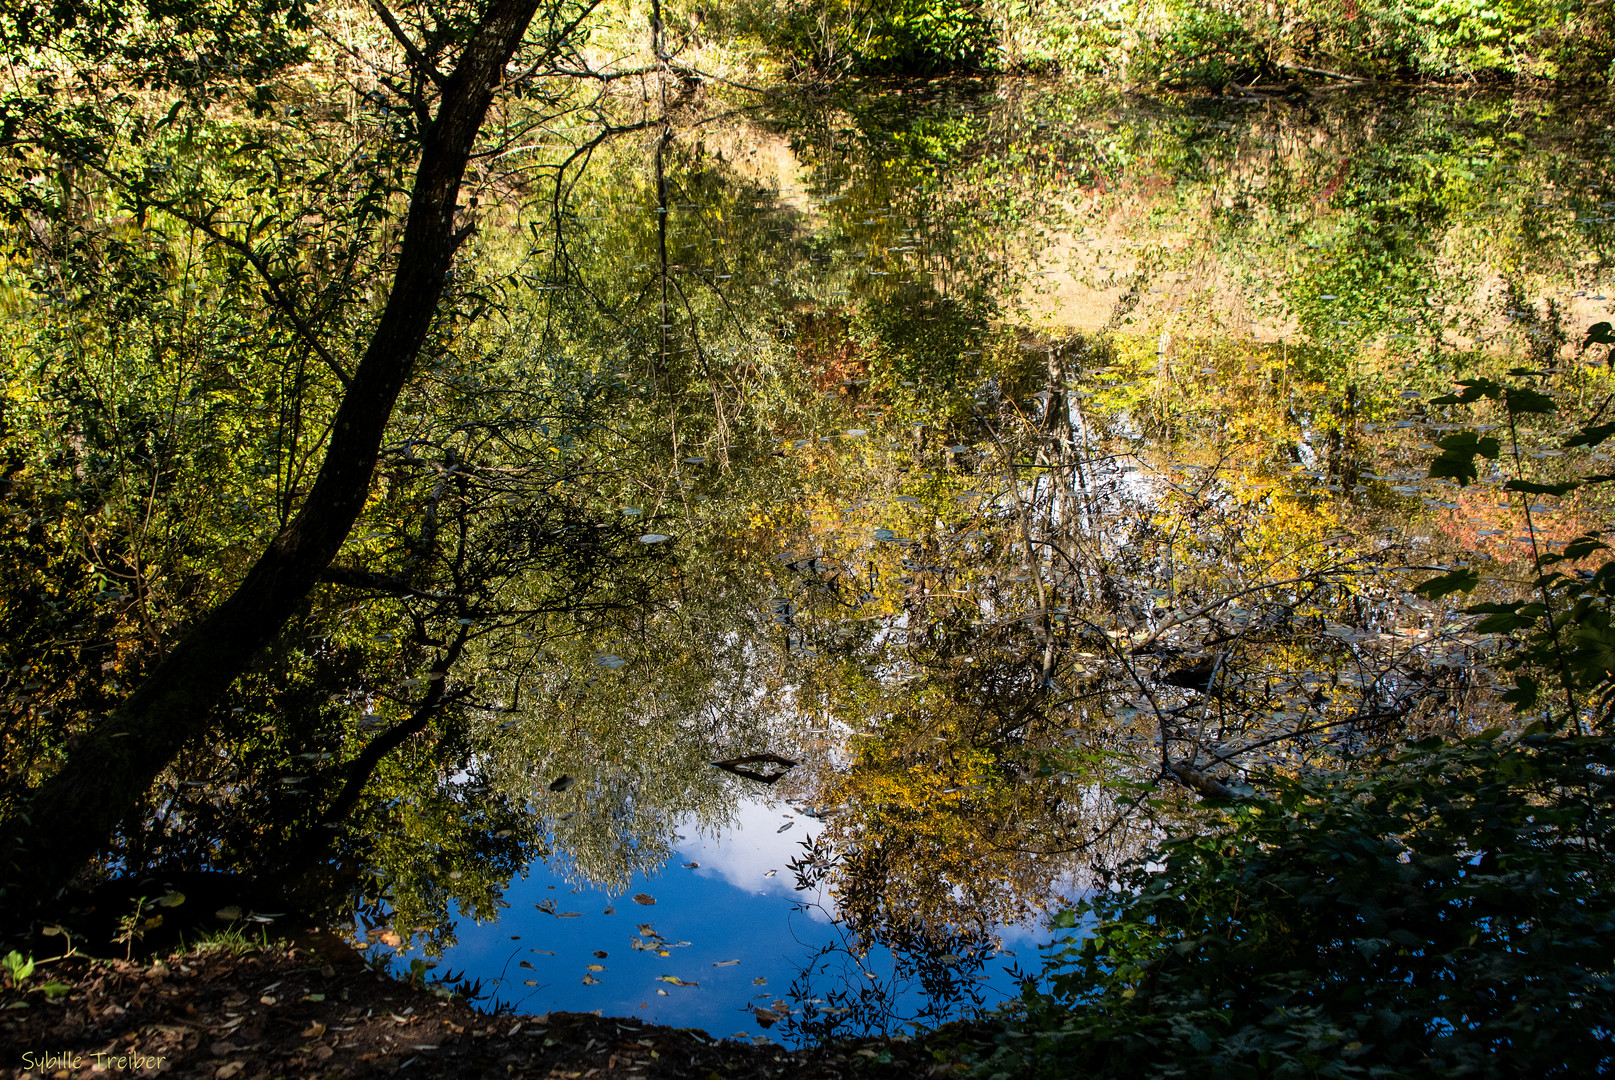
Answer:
(1024, 465)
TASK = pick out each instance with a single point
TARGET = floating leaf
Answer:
(653, 538)
(644, 898)
(675, 980)
(771, 873)
(606, 660)
(726, 963)
(597, 967)
(785, 826)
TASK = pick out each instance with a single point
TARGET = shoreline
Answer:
(296, 1010)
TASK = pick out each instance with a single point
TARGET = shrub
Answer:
(1450, 914)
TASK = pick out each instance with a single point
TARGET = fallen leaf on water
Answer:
(675, 980)
(692, 866)
(644, 898)
(597, 967)
(771, 873)
(589, 980)
(726, 963)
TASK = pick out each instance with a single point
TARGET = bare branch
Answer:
(416, 57)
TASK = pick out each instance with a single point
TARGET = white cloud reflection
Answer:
(750, 846)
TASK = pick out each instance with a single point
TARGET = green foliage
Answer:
(17, 967)
(1447, 914)
(237, 939)
(1458, 453)
(877, 37)
(1563, 633)
(1211, 44)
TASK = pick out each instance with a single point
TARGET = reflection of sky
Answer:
(726, 908)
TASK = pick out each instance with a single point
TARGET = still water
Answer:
(1025, 464)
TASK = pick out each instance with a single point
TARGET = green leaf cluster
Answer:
(1449, 913)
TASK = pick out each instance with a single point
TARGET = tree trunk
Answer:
(73, 815)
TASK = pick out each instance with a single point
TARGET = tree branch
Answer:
(47, 838)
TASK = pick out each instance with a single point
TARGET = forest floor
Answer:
(300, 1011)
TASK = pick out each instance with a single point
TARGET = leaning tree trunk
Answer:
(74, 814)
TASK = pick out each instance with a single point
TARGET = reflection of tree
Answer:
(1029, 668)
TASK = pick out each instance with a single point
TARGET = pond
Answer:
(825, 535)
(1003, 466)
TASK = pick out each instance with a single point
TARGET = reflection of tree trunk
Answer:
(1079, 512)
(72, 815)
(313, 846)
